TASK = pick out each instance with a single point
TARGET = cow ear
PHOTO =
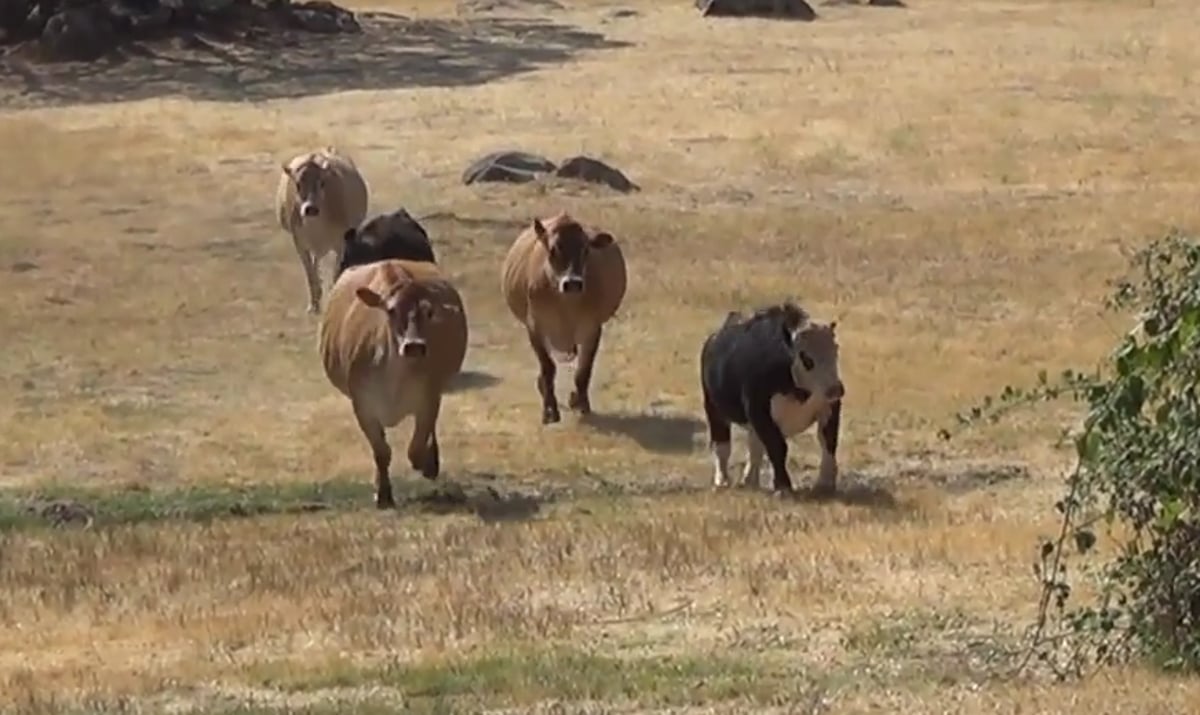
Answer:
(286, 166)
(601, 240)
(370, 297)
(349, 235)
(539, 230)
(833, 326)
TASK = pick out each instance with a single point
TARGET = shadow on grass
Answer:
(392, 51)
(671, 434)
(472, 380)
(74, 507)
(524, 677)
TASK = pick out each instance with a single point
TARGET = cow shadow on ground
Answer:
(391, 51)
(853, 490)
(672, 434)
(467, 380)
(472, 494)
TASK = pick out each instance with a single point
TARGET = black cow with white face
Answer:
(774, 373)
(396, 235)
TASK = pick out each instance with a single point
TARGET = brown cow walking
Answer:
(563, 285)
(392, 336)
(321, 195)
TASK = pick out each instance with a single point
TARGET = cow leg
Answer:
(754, 458)
(827, 436)
(583, 375)
(310, 275)
(768, 433)
(719, 441)
(423, 447)
(372, 429)
(545, 381)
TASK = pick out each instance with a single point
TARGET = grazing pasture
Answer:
(186, 512)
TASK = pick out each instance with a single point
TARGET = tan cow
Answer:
(392, 336)
(563, 284)
(321, 195)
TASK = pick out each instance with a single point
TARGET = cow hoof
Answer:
(580, 403)
(550, 416)
(384, 501)
(432, 466)
(783, 491)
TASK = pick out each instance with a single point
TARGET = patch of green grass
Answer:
(522, 677)
(64, 505)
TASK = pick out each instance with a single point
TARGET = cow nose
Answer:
(309, 210)
(572, 285)
(836, 392)
(413, 348)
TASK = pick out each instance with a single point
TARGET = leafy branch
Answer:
(1137, 469)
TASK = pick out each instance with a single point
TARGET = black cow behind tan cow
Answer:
(393, 335)
(320, 196)
(563, 284)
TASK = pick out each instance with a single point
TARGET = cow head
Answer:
(814, 352)
(411, 310)
(309, 177)
(567, 245)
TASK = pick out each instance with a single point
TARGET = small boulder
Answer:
(323, 17)
(790, 9)
(517, 167)
(595, 171)
(82, 34)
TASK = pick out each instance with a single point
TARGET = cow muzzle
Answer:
(835, 392)
(413, 348)
(308, 209)
(571, 284)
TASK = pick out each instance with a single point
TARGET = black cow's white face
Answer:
(568, 246)
(815, 360)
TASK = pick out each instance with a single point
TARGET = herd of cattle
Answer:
(394, 329)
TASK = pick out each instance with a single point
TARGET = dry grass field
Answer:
(955, 182)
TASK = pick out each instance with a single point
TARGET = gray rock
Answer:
(515, 167)
(79, 35)
(791, 9)
(595, 171)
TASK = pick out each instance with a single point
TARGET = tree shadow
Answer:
(392, 51)
(471, 380)
(671, 434)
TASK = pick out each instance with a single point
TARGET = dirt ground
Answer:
(954, 182)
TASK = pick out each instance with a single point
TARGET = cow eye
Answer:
(806, 361)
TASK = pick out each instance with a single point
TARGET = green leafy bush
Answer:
(1137, 473)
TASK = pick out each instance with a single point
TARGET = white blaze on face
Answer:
(570, 282)
(411, 343)
(815, 362)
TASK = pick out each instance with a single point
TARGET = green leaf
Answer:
(1084, 540)
(1087, 446)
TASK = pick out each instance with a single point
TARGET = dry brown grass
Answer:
(955, 181)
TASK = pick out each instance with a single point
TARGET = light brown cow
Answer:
(563, 285)
(392, 336)
(321, 195)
